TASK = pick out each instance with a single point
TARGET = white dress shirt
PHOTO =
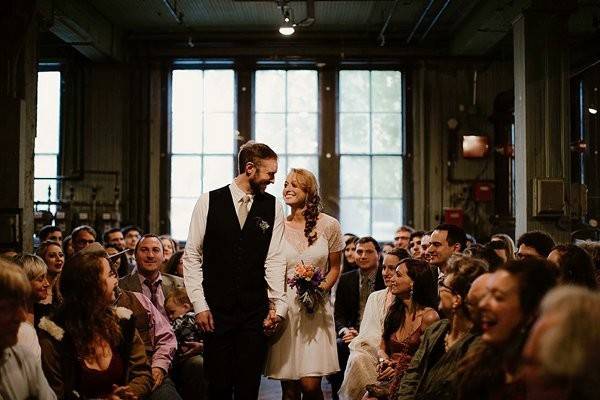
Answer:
(275, 268)
(21, 376)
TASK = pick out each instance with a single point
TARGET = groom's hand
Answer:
(205, 321)
(271, 323)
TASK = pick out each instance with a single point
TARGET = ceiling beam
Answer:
(79, 24)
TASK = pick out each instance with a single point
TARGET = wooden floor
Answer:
(271, 389)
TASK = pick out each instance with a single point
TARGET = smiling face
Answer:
(39, 288)
(350, 252)
(262, 175)
(401, 283)
(439, 249)
(389, 269)
(501, 313)
(167, 249)
(367, 256)
(149, 255)
(293, 194)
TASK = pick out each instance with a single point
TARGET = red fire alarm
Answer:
(454, 216)
(483, 192)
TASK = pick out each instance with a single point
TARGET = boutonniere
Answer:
(262, 224)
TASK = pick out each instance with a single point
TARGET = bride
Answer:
(305, 349)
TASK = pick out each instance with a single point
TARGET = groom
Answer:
(234, 273)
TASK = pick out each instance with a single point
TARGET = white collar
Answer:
(238, 193)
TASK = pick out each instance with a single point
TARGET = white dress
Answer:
(306, 344)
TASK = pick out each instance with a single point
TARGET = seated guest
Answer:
(415, 248)
(561, 355)
(534, 244)
(190, 362)
(431, 371)
(175, 265)
(118, 260)
(349, 259)
(574, 264)
(132, 235)
(89, 348)
(114, 236)
(147, 279)
(361, 368)
(503, 245)
(353, 290)
(35, 269)
(593, 249)
(485, 253)
(51, 233)
(407, 318)
(425, 242)
(82, 236)
(386, 247)
(169, 246)
(53, 256)
(67, 247)
(402, 237)
(508, 311)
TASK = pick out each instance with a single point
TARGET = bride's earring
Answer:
(410, 295)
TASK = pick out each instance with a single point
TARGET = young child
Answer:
(180, 311)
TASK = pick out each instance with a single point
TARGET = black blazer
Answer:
(347, 299)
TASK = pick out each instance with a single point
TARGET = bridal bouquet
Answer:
(306, 280)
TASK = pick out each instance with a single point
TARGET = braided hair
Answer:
(308, 183)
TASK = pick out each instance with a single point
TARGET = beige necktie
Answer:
(243, 210)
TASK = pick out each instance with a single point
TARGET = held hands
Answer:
(385, 369)
(190, 349)
(204, 320)
(350, 334)
(271, 323)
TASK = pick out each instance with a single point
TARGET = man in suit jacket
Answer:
(352, 293)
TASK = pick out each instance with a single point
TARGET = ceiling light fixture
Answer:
(287, 26)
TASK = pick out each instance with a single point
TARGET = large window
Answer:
(202, 139)
(286, 105)
(47, 140)
(370, 140)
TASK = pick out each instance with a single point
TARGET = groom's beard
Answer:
(256, 187)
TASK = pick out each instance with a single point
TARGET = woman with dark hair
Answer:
(504, 246)
(306, 350)
(508, 311)
(119, 263)
(407, 318)
(175, 265)
(349, 260)
(431, 370)
(575, 265)
(90, 349)
(67, 246)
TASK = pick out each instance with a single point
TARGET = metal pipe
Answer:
(438, 15)
(387, 22)
(414, 30)
(173, 10)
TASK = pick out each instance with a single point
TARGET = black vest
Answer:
(234, 259)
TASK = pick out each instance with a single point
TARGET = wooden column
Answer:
(541, 112)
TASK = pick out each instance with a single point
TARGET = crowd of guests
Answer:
(431, 315)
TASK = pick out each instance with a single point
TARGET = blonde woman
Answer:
(53, 256)
(305, 349)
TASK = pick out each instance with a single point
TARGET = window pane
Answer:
(310, 163)
(181, 213)
(218, 90)
(355, 176)
(48, 112)
(218, 172)
(302, 91)
(40, 189)
(218, 134)
(44, 166)
(187, 111)
(302, 133)
(270, 91)
(354, 133)
(387, 216)
(387, 91)
(387, 133)
(186, 173)
(387, 176)
(270, 129)
(354, 91)
(355, 216)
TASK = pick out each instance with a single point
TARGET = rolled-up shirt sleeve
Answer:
(192, 258)
(275, 265)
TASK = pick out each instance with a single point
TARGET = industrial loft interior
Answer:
(357, 143)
